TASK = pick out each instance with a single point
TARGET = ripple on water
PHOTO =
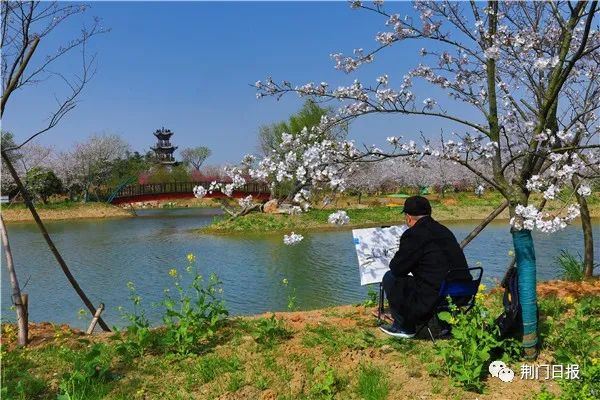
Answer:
(105, 255)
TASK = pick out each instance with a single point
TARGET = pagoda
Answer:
(164, 149)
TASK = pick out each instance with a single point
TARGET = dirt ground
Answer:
(406, 369)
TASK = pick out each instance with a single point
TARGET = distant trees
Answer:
(91, 163)
(43, 183)
(396, 174)
(195, 156)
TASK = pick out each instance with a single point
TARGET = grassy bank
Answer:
(373, 211)
(63, 211)
(335, 353)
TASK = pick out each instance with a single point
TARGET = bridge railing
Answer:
(181, 187)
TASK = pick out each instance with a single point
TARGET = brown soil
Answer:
(572, 289)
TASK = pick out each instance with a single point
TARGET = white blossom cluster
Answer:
(309, 159)
(530, 218)
(245, 202)
(199, 192)
(559, 174)
(292, 239)
(338, 218)
(525, 58)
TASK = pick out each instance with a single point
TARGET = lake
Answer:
(105, 254)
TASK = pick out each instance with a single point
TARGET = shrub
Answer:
(270, 331)
(571, 266)
(43, 183)
(195, 314)
(327, 384)
(576, 340)
(371, 299)
(474, 337)
(137, 337)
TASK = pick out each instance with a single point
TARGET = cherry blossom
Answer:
(292, 239)
(200, 192)
(338, 218)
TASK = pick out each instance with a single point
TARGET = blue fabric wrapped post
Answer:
(526, 270)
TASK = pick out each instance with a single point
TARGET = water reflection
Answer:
(105, 254)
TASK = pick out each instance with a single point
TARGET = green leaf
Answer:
(445, 316)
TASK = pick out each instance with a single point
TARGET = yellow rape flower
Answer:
(569, 300)
(173, 272)
(191, 258)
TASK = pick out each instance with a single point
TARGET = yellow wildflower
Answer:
(569, 300)
(173, 272)
(191, 258)
(482, 287)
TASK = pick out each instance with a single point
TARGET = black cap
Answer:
(417, 205)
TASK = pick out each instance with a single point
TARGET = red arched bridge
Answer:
(132, 193)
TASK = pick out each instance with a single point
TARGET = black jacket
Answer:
(428, 250)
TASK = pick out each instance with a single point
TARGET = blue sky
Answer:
(187, 66)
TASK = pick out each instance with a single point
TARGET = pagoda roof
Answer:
(168, 148)
(163, 133)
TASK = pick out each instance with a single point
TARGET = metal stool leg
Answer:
(380, 308)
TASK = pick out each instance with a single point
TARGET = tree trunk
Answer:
(53, 249)
(526, 271)
(14, 284)
(586, 226)
(483, 224)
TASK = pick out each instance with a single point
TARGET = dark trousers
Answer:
(400, 294)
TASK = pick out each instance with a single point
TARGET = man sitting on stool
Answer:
(427, 250)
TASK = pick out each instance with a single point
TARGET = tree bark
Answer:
(53, 249)
(16, 290)
(586, 226)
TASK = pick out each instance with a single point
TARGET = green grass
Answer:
(319, 361)
(373, 214)
(372, 383)
(334, 340)
(210, 366)
(261, 223)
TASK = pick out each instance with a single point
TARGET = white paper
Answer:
(375, 248)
